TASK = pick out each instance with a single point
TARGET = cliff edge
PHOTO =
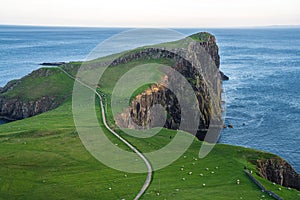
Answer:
(40, 91)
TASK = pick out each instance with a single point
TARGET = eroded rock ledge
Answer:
(15, 108)
(279, 171)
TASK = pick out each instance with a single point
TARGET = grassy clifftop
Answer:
(202, 37)
(40, 83)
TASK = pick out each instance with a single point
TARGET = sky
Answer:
(150, 13)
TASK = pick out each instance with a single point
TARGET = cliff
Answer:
(40, 91)
(15, 108)
(201, 70)
(279, 171)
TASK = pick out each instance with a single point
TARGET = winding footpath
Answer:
(148, 164)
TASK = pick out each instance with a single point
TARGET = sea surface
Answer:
(3, 121)
(262, 96)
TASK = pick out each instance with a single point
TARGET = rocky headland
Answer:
(25, 97)
(201, 69)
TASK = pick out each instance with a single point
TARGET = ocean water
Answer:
(3, 121)
(262, 96)
(23, 48)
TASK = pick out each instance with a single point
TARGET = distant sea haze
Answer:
(262, 96)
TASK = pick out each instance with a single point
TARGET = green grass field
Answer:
(42, 158)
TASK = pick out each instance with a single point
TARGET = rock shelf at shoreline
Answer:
(52, 63)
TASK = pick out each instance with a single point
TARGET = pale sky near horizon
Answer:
(151, 13)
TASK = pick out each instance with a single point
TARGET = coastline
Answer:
(260, 154)
(7, 119)
(239, 132)
(57, 64)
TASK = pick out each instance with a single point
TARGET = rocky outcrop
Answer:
(208, 41)
(9, 86)
(223, 76)
(53, 63)
(201, 70)
(14, 106)
(17, 108)
(140, 114)
(279, 171)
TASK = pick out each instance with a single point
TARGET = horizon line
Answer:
(158, 27)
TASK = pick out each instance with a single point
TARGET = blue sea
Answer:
(262, 96)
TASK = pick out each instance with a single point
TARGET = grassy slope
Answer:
(33, 86)
(49, 162)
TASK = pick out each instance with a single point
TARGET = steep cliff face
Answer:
(209, 43)
(202, 73)
(33, 94)
(279, 171)
(141, 114)
(16, 108)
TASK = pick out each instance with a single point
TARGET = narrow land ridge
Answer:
(148, 164)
